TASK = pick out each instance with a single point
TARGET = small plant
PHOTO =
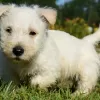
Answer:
(77, 27)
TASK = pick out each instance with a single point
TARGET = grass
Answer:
(12, 92)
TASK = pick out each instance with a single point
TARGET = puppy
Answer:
(29, 48)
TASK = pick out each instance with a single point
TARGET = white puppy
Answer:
(29, 48)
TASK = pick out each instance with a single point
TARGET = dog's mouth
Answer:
(17, 59)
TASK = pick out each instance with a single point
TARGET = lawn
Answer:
(12, 92)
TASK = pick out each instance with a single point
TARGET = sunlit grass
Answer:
(12, 92)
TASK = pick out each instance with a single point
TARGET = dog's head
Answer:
(23, 30)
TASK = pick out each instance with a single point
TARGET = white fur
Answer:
(79, 58)
(49, 55)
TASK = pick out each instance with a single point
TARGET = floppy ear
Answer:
(49, 13)
(4, 8)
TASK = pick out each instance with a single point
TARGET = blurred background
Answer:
(77, 17)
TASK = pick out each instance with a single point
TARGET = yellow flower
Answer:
(95, 29)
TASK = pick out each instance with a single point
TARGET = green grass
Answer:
(13, 92)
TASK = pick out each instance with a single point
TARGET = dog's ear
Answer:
(4, 8)
(49, 13)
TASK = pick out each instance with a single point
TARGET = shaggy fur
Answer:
(49, 55)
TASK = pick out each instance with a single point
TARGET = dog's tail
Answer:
(93, 38)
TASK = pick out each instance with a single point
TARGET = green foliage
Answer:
(86, 9)
(77, 27)
(93, 16)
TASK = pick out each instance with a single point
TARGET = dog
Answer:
(29, 48)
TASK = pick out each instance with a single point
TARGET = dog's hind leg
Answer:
(88, 79)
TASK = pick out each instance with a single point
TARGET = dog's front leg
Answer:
(43, 81)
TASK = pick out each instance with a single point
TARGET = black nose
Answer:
(18, 50)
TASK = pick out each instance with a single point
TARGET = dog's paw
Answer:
(39, 82)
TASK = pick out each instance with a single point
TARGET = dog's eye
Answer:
(32, 33)
(9, 30)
